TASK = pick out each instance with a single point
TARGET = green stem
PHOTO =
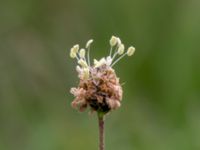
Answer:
(101, 131)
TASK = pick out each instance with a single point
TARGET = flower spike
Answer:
(100, 75)
(99, 87)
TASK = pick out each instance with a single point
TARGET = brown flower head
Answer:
(99, 87)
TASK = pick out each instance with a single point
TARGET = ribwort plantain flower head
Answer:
(99, 87)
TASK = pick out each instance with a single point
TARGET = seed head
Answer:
(99, 87)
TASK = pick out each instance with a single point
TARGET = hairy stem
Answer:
(101, 132)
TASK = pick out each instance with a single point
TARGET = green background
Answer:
(161, 102)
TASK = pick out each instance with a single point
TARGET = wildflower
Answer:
(99, 87)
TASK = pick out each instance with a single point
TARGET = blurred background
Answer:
(161, 104)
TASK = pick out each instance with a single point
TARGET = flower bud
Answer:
(82, 53)
(83, 63)
(113, 41)
(121, 49)
(89, 43)
(130, 51)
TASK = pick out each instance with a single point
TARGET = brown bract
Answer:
(101, 91)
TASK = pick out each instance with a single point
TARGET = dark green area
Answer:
(161, 104)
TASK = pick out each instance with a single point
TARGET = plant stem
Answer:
(101, 131)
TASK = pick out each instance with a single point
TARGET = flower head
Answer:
(99, 87)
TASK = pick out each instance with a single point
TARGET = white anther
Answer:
(82, 53)
(83, 63)
(89, 43)
(76, 48)
(130, 51)
(72, 53)
(113, 41)
(120, 50)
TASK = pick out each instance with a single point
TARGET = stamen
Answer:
(88, 56)
(76, 48)
(82, 53)
(114, 55)
(130, 51)
(108, 61)
(77, 58)
(86, 73)
(119, 46)
(118, 59)
(89, 43)
(119, 41)
(101, 62)
(88, 53)
(78, 69)
(110, 51)
(120, 50)
(113, 41)
(83, 63)
(72, 52)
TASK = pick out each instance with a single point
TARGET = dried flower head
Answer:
(99, 87)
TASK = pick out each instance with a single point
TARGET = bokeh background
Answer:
(161, 104)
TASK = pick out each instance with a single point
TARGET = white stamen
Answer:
(86, 73)
(121, 49)
(118, 59)
(96, 62)
(88, 47)
(101, 62)
(115, 54)
(82, 53)
(119, 41)
(108, 61)
(78, 69)
(76, 48)
(110, 51)
(89, 43)
(83, 63)
(130, 51)
(72, 53)
(113, 41)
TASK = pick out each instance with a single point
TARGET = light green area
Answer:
(161, 104)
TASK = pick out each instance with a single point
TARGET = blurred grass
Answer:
(160, 108)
